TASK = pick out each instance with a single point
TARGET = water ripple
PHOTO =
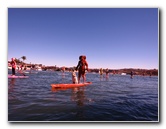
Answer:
(117, 98)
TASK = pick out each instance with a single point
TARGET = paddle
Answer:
(21, 72)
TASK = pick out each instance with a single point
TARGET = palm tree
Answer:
(23, 58)
(17, 60)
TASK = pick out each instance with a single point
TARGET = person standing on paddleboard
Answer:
(107, 73)
(101, 71)
(131, 74)
(13, 63)
(81, 67)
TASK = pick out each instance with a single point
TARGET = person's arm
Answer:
(78, 65)
(15, 64)
(86, 66)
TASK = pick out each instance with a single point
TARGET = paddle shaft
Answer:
(20, 71)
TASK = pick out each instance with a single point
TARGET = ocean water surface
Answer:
(117, 98)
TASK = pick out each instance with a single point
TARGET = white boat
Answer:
(31, 71)
(123, 73)
(38, 68)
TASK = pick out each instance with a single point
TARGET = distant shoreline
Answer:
(136, 71)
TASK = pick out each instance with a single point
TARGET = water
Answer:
(117, 98)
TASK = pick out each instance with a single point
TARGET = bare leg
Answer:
(79, 76)
(84, 78)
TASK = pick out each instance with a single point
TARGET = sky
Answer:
(112, 38)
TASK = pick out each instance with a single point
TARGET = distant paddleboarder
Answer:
(63, 69)
(81, 67)
(101, 71)
(13, 64)
(107, 73)
(150, 74)
(131, 74)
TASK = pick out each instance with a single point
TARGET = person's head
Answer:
(82, 57)
(13, 59)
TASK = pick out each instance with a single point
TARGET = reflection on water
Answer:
(12, 82)
(11, 86)
(78, 96)
(112, 98)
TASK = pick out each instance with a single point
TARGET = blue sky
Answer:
(109, 37)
